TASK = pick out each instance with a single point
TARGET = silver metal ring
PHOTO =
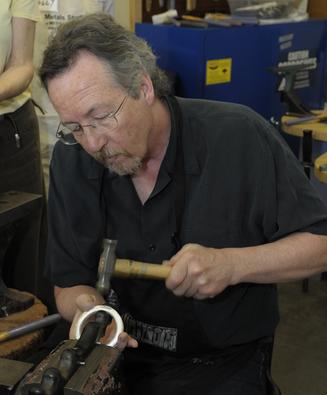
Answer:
(81, 321)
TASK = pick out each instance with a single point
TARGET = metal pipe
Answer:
(30, 327)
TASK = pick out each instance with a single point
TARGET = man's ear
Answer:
(146, 89)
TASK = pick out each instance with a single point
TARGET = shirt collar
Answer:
(190, 149)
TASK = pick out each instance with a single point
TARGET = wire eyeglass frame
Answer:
(67, 137)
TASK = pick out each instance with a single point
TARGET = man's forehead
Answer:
(81, 78)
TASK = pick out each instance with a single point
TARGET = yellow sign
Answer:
(219, 71)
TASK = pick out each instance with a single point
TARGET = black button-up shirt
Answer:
(243, 187)
(149, 232)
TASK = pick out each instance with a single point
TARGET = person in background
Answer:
(52, 15)
(207, 188)
(20, 164)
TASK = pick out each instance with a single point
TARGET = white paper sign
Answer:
(48, 5)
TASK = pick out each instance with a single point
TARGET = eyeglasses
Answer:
(70, 132)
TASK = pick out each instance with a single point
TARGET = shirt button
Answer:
(152, 247)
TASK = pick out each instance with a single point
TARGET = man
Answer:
(209, 188)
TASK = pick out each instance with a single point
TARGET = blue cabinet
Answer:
(232, 64)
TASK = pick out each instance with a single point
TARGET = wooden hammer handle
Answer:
(128, 268)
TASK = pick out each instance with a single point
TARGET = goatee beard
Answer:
(126, 169)
(124, 165)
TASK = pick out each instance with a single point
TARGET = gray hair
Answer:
(126, 55)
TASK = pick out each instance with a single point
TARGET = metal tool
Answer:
(30, 327)
(105, 265)
(109, 265)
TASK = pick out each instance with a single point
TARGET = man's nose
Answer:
(94, 140)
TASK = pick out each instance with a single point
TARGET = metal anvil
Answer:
(74, 367)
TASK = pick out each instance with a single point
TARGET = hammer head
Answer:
(106, 266)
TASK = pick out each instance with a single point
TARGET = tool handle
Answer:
(306, 119)
(128, 268)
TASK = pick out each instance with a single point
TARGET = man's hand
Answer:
(199, 272)
(84, 303)
(124, 339)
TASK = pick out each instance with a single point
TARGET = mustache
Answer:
(107, 153)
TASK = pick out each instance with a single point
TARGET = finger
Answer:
(191, 285)
(124, 340)
(199, 296)
(191, 291)
(85, 302)
(168, 262)
(175, 280)
(180, 290)
(184, 250)
(172, 261)
(109, 333)
(177, 275)
(185, 287)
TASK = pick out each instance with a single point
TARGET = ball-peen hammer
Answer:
(109, 266)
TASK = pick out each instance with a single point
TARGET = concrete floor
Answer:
(300, 353)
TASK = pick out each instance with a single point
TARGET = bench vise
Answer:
(75, 367)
